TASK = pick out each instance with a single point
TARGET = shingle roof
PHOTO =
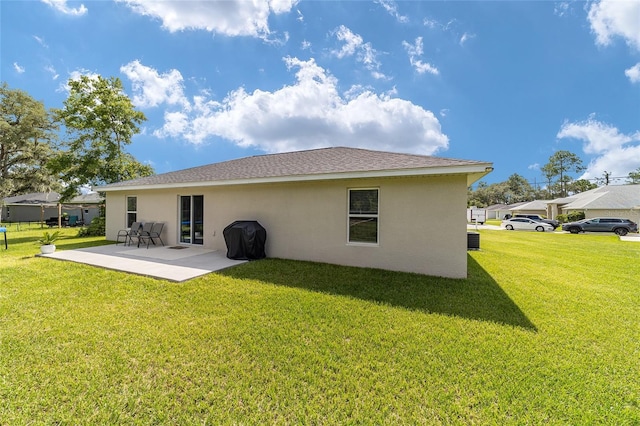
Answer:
(606, 197)
(316, 162)
(531, 205)
(35, 198)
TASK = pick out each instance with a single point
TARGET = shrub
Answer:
(562, 218)
(574, 216)
(95, 229)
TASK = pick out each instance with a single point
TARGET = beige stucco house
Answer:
(337, 205)
(605, 201)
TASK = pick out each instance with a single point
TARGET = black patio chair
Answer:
(151, 235)
(128, 234)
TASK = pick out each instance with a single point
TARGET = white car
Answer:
(522, 223)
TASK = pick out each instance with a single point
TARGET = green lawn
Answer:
(546, 330)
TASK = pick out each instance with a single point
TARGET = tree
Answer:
(100, 121)
(560, 165)
(27, 137)
(519, 189)
(634, 176)
(580, 185)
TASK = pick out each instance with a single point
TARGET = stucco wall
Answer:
(422, 222)
(33, 213)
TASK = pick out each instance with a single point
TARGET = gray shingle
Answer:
(300, 163)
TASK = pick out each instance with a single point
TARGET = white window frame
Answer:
(128, 212)
(363, 215)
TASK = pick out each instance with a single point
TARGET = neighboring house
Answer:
(531, 207)
(605, 201)
(497, 211)
(337, 205)
(38, 207)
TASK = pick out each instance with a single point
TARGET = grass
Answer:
(545, 330)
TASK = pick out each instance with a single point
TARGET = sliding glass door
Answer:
(192, 219)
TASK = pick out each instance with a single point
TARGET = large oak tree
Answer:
(27, 138)
(100, 121)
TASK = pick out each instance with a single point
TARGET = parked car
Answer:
(602, 224)
(524, 223)
(539, 218)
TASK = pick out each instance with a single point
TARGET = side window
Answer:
(363, 216)
(132, 210)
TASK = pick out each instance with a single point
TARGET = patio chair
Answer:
(73, 221)
(150, 236)
(128, 234)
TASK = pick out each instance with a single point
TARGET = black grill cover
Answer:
(245, 240)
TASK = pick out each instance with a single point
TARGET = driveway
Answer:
(177, 263)
(473, 226)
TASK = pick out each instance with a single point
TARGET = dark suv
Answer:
(539, 218)
(602, 224)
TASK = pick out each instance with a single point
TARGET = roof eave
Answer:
(473, 172)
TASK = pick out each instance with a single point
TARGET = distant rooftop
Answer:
(51, 198)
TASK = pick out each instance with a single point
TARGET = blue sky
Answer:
(509, 82)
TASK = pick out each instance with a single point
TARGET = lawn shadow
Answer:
(479, 297)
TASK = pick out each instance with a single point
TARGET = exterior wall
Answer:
(33, 213)
(422, 221)
(27, 213)
(84, 213)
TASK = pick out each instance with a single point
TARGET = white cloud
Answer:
(466, 37)
(75, 75)
(19, 69)
(52, 71)
(231, 17)
(310, 113)
(392, 8)
(534, 166)
(561, 8)
(434, 24)
(618, 162)
(355, 45)
(41, 41)
(352, 42)
(614, 151)
(633, 73)
(152, 89)
(415, 51)
(61, 6)
(615, 18)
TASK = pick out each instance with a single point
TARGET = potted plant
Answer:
(46, 242)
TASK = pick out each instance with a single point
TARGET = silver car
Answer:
(524, 223)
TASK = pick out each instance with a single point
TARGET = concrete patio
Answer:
(177, 263)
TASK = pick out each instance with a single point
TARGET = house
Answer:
(336, 205)
(605, 201)
(530, 207)
(40, 206)
(497, 211)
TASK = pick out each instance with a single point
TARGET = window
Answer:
(132, 210)
(363, 216)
